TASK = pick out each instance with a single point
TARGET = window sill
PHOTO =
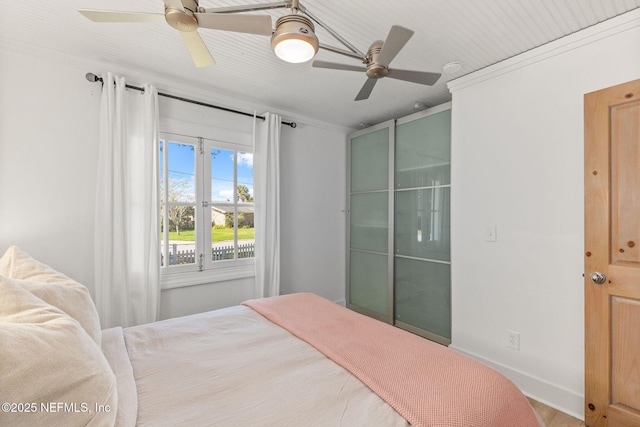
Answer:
(194, 278)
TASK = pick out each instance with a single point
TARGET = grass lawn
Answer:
(217, 235)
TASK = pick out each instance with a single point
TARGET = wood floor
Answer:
(553, 417)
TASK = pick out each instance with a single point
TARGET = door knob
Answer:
(598, 278)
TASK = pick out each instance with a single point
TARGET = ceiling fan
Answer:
(187, 16)
(377, 60)
(293, 39)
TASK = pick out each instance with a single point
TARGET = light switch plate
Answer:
(491, 234)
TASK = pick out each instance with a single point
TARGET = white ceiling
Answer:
(476, 33)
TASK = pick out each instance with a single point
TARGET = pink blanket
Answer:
(428, 384)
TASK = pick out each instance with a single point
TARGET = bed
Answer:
(292, 360)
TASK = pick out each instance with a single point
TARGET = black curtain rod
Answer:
(94, 78)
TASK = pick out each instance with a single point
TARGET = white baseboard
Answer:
(553, 395)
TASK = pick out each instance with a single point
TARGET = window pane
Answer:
(227, 211)
(245, 177)
(246, 209)
(181, 167)
(182, 245)
(222, 175)
(222, 207)
(178, 196)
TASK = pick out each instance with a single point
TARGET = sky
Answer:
(182, 166)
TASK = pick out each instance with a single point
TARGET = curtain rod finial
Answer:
(92, 77)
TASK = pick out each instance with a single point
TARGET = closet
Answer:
(399, 234)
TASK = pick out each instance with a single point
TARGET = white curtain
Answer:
(266, 163)
(127, 260)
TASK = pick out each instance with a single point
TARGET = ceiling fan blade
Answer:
(115, 16)
(336, 66)
(252, 24)
(421, 77)
(396, 39)
(198, 50)
(366, 89)
(174, 4)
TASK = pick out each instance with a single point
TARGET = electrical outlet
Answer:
(513, 340)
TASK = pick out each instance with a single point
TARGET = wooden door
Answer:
(612, 247)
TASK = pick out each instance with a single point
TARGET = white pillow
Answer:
(52, 372)
(53, 288)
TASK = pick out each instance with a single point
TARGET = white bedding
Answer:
(232, 367)
(115, 351)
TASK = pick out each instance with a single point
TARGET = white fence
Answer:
(218, 253)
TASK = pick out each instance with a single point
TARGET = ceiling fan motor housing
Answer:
(375, 70)
(183, 20)
(294, 26)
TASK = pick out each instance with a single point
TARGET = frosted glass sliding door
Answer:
(370, 209)
(399, 230)
(422, 272)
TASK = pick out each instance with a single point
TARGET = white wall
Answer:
(187, 300)
(517, 156)
(313, 188)
(48, 158)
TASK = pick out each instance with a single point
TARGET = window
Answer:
(206, 198)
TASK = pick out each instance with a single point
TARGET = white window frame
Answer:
(207, 138)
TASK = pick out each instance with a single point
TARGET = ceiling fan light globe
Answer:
(294, 39)
(294, 50)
